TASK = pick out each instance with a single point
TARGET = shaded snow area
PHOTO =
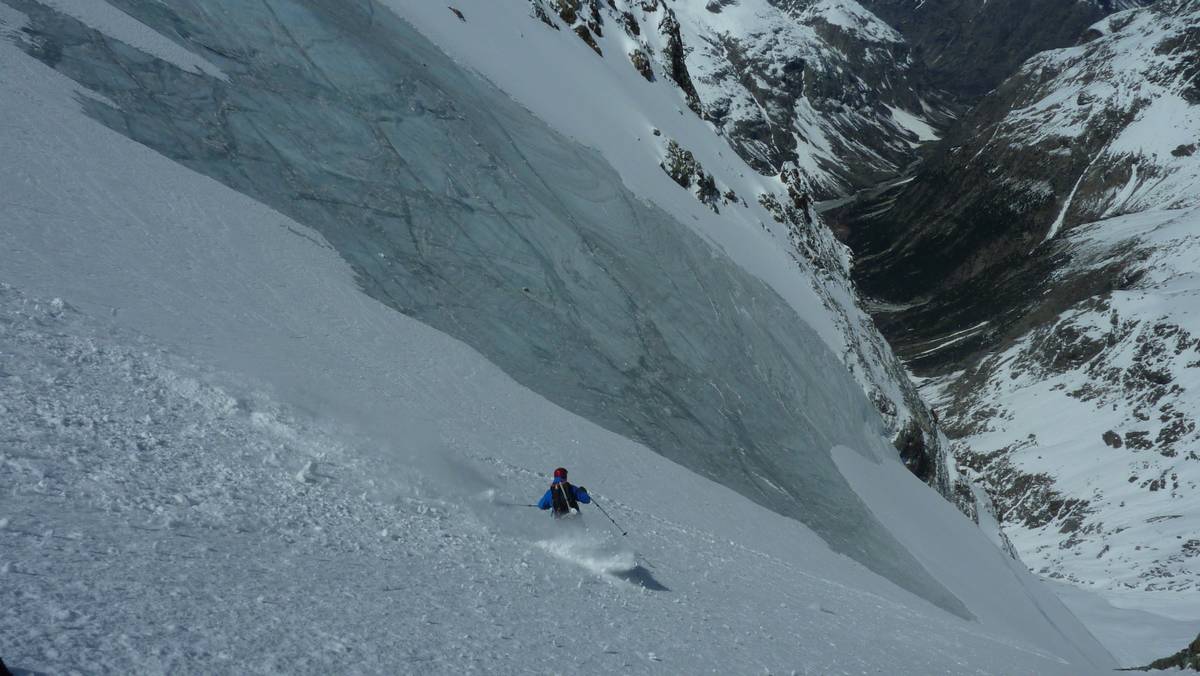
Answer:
(1085, 434)
(283, 353)
(1132, 634)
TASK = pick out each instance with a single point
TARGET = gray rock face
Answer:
(457, 207)
(1186, 659)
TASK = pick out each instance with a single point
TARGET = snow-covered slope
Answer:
(225, 454)
(823, 85)
(770, 229)
(418, 181)
(211, 528)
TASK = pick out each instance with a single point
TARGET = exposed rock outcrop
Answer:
(824, 85)
(1187, 659)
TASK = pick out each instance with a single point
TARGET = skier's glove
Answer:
(582, 489)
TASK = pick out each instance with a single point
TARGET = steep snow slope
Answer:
(457, 207)
(605, 104)
(441, 198)
(211, 528)
(359, 406)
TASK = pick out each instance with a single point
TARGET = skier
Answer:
(562, 497)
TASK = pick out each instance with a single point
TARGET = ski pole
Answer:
(597, 504)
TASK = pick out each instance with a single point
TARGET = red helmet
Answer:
(560, 473)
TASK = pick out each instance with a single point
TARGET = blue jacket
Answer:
(547, 500)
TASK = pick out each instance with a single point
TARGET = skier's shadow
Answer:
(20, 672)
(641, 577)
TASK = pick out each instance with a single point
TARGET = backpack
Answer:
(562, 497)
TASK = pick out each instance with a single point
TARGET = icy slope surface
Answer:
(459, 208)
(603, 103)
(339, 393)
